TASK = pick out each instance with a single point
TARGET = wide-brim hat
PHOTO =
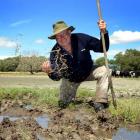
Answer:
(59, 27)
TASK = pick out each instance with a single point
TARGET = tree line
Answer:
(129, 60)
(30, 64)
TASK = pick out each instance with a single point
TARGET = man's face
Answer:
(64, 38)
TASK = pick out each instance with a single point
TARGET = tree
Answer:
(100, 61)
(1, 65)
(9, 64)
(130, 60)
(133, 59)
(113, 65)
(119, 60)
(31, 64)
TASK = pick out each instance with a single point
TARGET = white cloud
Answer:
(39, 41)
(7, 43)
(120, 36)
(20, 22)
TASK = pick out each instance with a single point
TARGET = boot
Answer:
(98, 106)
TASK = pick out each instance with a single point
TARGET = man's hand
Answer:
(102, 26)
(46, 67)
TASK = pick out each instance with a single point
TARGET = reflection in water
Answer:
(28, 107)
(11, 118)
(124, 134)
(42, 121)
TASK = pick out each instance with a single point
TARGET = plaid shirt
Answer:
(76, 66)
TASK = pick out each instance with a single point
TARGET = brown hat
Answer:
(59, 27)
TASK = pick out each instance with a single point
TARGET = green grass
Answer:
(129, 109)
(85, 93)
(36, 95)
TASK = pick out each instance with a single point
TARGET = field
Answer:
(29, 110)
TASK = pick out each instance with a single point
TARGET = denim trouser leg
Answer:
(68, 90)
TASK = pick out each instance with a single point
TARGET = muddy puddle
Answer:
(25, 111)
(41, 120)
(126, 134)
(23, 121)
(120, 134)
(11, 118)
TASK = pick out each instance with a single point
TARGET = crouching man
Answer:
(70, 60)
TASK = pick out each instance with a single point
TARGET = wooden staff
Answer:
(106, 61)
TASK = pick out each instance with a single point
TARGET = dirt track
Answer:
(44, 81)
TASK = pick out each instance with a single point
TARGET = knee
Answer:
(100, 72)
(105, 70)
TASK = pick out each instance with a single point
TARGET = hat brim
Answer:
(53, 36)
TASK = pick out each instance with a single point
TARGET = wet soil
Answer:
(21, 121)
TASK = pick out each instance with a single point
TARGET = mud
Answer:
(22, 121)
(18, 121)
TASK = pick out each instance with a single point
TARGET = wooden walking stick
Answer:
(106, 61)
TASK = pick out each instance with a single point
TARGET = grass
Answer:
(43, 95)
(129, 109)
(36, 95)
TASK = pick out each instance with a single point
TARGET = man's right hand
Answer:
(46, 67)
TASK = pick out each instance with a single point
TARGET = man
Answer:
(70, 60)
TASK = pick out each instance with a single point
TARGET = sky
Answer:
(26, 24)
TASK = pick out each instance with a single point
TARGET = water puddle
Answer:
(41, 120)
(125, 134)
(11, 118)
(28, 107)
